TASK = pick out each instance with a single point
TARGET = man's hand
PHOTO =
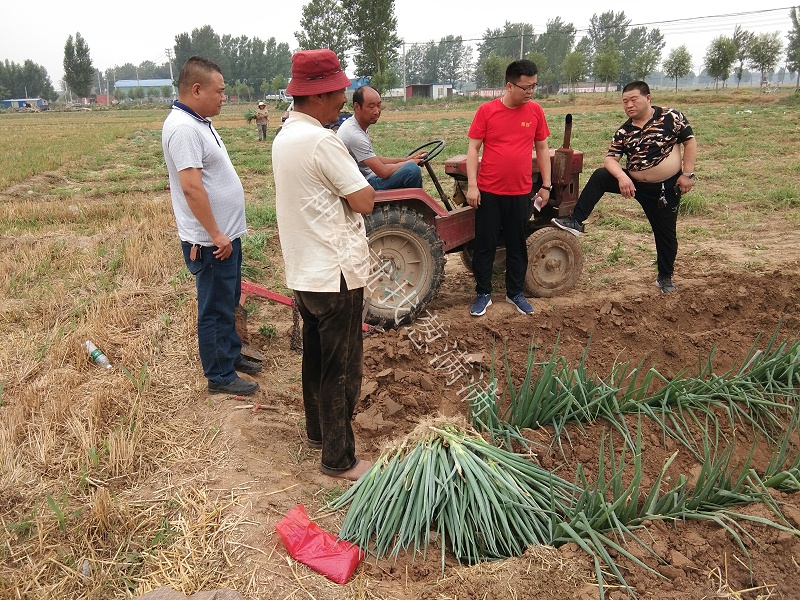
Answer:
(685, 183)
(473, 197)
(626, 187)
(224, 246)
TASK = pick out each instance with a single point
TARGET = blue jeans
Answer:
(219, 288)
(407, 176)
(333, 364)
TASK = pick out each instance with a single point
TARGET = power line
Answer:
(673, 26)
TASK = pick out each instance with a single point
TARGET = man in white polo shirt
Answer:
(208, 202)
(320, 196)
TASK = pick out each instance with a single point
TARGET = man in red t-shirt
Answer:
(508, 128)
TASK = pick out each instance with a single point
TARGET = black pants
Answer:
(663, 221)
(497, 216)
(333, 353)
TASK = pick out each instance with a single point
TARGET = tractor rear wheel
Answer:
(555, 260)
(408, 261)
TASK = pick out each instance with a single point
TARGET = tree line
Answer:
(363, 33)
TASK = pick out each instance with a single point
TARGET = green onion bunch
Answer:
(482, 501)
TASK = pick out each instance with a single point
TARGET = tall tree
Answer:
(513, 40)
(430, 63)
(28, 80)
(555, 43)
(204, 42)
(608, 27)
(325, 24)
(252, 61)
(78, 70)
(719, 58)
(607, 63)
(494, 70)
(678, 64)
(763, 53)
(644, 63)
(641, 53)
(575, 67)
(373, 25)
(741, 39)
(414, 63)
(640, 50)
(544, 74)
(452, 56)
(793, 47)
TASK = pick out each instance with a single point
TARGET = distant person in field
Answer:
(500, 182)
(320, 197)
(657, 172)
(262, 120)
(208, 202)
(381, 172)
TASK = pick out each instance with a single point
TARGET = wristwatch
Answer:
(549, 188)
(689, 175)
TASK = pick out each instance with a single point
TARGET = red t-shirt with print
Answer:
(508, 135)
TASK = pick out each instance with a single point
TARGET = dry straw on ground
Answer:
(101, 490)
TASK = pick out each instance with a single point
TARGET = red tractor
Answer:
(410, 232)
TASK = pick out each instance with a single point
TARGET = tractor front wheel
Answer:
(407, 265)
(555, 260)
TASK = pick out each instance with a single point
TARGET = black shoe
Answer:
(570, 224)
(665, 283)
(237, 387)
(248, 366)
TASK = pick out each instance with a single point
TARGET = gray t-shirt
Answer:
(191, 142)
(358, 144)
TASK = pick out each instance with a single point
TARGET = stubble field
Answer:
(115, 483)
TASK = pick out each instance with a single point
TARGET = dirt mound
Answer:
(410, 373)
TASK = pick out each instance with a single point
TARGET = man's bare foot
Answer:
(352, 474)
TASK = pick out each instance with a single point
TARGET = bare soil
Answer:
(731, 294)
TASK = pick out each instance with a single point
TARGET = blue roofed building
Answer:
(157, 85)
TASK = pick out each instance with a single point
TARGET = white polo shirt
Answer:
(322, 238)
(189, 141)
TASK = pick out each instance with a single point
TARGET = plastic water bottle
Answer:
(96, 355)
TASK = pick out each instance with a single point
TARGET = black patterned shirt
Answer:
(645, 147)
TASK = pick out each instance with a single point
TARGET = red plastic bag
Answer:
(318, 549)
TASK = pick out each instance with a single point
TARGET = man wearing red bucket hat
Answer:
(320, 197)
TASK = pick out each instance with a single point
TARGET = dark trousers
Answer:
(219, 288)
(663, 220)
(333, 353)
(507, 217)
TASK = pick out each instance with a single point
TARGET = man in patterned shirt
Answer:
(657, 173)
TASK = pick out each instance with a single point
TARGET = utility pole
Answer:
(99, 86)
(171, 77)
(404, 70)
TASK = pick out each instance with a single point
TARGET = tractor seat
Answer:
(456, 167)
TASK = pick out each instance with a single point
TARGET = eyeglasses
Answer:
(526, 89)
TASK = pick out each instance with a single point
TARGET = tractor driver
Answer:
(381, 172)
(655, 174)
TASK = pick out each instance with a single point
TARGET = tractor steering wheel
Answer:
(437, 147)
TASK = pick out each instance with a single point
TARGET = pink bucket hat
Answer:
(316, 72)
